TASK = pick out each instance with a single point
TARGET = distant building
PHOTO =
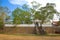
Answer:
(55, 20)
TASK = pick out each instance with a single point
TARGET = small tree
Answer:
(1, 23)
(3, 13)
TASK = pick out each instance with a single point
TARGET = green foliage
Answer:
(3, 13)
(21, 16)
(35, 6)
(1, 22)
(43, 14)
(46, 12)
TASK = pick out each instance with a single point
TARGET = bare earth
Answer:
(13, 37)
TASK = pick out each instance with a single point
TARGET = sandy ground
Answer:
(14, 37)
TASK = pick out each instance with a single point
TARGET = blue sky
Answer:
(12, 4)
(6, 3)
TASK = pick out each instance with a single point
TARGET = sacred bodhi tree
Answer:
(43, 14)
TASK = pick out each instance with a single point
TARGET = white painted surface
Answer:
(27, 25)
(55, 18)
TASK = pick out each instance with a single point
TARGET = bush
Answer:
(1, 24)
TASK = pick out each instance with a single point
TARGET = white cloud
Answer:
(57, 2)
(43, 2)
(18, 2)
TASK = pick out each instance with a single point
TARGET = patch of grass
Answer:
(52, 35)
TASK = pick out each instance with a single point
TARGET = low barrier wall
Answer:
(27, 30)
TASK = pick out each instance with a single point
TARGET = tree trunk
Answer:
(37, 28)
(41, 29)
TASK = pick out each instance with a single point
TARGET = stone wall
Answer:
(28, 30)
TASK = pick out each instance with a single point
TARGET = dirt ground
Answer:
(14, 37)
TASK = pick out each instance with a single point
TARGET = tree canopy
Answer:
(43, 13)
(21, 16)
